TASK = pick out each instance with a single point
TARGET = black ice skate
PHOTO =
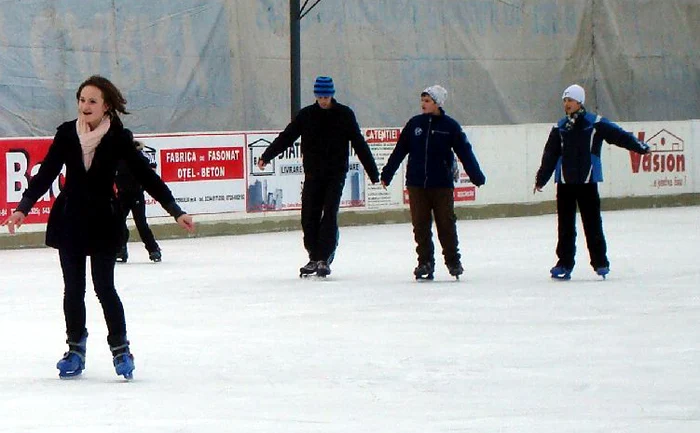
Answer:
(308, 269)
(123, 255)
(455, 269)
(155, 256)
(322, 269)
(424, 271)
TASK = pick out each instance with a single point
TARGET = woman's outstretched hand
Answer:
(14, 220)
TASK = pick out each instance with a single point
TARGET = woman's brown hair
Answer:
(112, 96)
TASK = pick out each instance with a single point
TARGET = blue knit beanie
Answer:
(324, 86)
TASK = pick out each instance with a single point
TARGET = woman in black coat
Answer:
(86, 219)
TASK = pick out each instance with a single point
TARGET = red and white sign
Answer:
(21, 159)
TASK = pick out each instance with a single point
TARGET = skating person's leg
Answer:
(566, 225)
(126, 202)
(311, 212)
(589, 206)
(446, 225)
(73, 265)
(139, 213)
(422, 221)
(102, 267)
(328, 230)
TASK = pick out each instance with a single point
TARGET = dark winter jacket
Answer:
(431, 142)
(325, 134)
(127, 185)
(86, 216)
(573, 149)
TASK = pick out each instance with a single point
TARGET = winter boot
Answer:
(560, 272)
(123, 360)
(322, 269)
(123, 255)
(603, 271)
(73, 361)
(424, 271)
(155, 256)
(309, 268)
(455, 269)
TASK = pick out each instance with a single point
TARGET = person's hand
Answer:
(186, 222)
(14, 220)
(536, 189)
(384, 184)
(261, 164)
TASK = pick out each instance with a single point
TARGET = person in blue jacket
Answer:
(573, 153)
(431, 140)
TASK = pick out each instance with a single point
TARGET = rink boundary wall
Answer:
(224, 203)
(163, 228)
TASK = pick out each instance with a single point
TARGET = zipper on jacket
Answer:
(427, 139)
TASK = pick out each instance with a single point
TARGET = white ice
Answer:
(228, 338)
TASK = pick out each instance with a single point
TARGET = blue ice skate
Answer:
(603, 271)
(560, 273)
(73, 362)
(123, 361)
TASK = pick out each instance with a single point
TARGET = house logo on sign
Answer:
(255, 151)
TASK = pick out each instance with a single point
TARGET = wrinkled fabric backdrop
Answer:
(203, 65)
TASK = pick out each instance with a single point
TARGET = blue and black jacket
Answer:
(573, 148)
(431, 142)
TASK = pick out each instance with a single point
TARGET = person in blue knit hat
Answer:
(572, 153)
(325, 127)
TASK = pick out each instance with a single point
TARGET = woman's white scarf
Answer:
(90, 139)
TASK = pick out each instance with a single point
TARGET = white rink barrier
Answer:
(216, 174)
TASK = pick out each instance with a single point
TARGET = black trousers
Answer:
(136, 203)
(438, 202)
(73, 265)
(588, 200)
(320, 201)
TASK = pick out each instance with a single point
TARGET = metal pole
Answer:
(295, 56)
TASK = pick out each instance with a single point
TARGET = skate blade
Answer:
(313, 277)
(561, 277)
(69, 374)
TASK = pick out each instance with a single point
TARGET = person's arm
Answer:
(613, 134)
(39, 184)
(284, 140)
(362, 149)
(152, 183)
(550, 156)
(397, 155)
(465, 153)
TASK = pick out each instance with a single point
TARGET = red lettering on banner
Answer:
(21, 159)
(197, 164)
(667, 154)
(384, 135)
(467, 193)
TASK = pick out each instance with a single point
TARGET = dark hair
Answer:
(112, 96)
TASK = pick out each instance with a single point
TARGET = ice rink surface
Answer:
(228, 338)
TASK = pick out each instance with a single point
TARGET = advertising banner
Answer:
(278, 187)
(21, 159)
(206, 173)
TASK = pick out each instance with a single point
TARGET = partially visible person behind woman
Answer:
(86, 221)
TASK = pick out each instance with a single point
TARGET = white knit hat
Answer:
(576, 93)
(437, 92)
